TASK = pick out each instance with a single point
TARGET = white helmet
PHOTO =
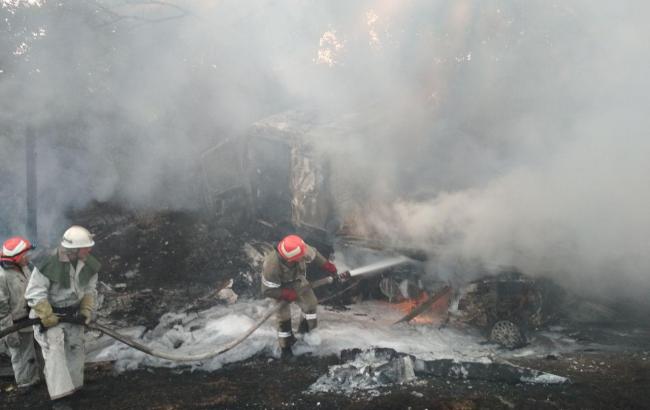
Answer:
(77, 237)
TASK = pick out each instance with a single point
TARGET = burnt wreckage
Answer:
(243, 182)
(507, 306)
(274, 175)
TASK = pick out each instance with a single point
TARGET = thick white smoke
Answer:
(497, 132)
(552, 178)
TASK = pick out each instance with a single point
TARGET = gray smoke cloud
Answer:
(536, 155)
(494, 132)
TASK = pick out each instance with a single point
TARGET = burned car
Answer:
(507, 306)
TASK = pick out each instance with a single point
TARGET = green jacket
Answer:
(58, 271)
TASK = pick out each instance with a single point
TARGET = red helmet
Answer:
(13, 247)
(292, 248)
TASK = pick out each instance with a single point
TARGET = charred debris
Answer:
(267, 183)
(160, 261)
(171, 260)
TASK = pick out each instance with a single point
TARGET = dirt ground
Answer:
(178, 259)
(599, 381)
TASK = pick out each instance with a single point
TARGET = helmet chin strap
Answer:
(8, 263)
(13, 261)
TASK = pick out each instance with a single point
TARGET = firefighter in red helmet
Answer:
(284, 278)
(15, 271)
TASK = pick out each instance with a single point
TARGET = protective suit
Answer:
(63, 287)
(284, 278)
(13, 309)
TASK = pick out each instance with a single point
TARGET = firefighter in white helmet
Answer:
(65, 286)
(284, 278)
(15, 271)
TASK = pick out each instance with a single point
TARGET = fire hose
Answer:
(222, 349)
(158, 353)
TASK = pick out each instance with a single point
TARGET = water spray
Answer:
(375, 267)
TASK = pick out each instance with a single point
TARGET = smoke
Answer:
(125, 96)
(490, 133)
(536, 159)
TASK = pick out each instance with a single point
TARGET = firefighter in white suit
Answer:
(15, 272)
(65, 285)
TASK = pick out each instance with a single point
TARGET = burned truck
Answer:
(273, 175)
(285, 172)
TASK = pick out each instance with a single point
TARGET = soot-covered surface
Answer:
(164, 261)
(599, 381)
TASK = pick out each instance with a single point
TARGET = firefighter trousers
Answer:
(23, 360)
(64, 355)
(308, 303)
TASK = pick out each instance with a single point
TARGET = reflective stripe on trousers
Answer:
(285, 334)
(312, 320)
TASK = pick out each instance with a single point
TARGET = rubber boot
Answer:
(286, 339)
(303, 327)
(286, 353)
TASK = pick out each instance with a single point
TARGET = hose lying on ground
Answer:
(164, 355)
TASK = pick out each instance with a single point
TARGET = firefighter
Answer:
(284, 278)
(15, 271)
(65, 285)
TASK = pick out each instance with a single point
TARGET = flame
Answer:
(371, 22)
(434, 315)
(329, 49)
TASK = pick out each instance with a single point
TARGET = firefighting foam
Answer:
(364, 326)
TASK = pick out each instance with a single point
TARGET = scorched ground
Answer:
(181, 261)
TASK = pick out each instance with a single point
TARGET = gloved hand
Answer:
(330, 268)
(288, 294)
(344, 276)
(86, 307)
(44, 311)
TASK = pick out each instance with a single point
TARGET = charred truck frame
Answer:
(272, 175)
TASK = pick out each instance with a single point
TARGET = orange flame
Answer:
(434, 315)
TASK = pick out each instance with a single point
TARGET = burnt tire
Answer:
(507, 334)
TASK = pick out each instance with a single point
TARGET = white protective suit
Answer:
(62, 345)
(13, 308)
